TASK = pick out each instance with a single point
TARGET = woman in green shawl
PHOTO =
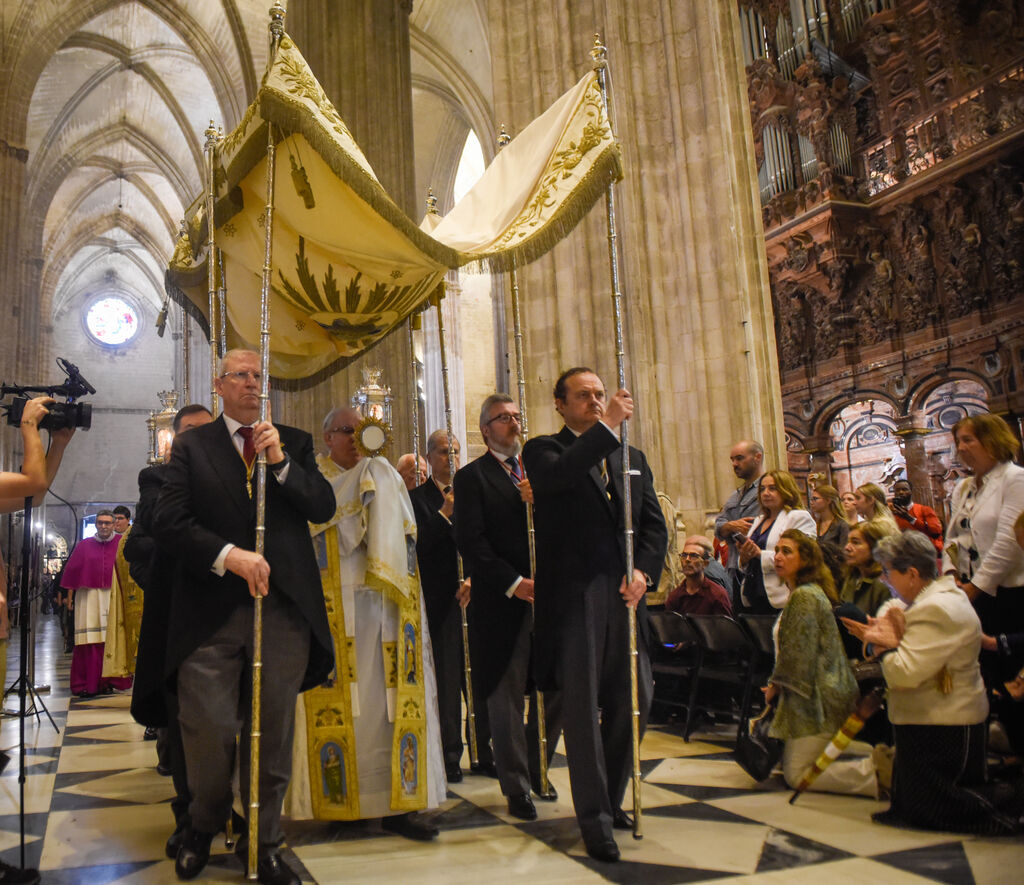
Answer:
(812, 682)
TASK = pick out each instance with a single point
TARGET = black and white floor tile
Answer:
(96, 811)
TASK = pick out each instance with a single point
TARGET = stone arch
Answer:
(59, 301)
(821, 423)
(924, 387)
(38, 37)
(43, 186)
(80, 239)
(123, 60)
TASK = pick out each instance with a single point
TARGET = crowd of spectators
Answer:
(871, 588)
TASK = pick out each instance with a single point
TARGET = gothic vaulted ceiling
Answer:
(123, 93)
(115, 131)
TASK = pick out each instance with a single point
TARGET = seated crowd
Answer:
(887, 601)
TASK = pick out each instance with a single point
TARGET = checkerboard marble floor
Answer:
(96, 811)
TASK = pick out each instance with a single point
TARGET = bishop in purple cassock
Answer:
(89, 575)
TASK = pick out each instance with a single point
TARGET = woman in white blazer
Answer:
(936, 697)
(762, 591)
(981, 552)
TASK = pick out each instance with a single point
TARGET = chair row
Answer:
(693, 650)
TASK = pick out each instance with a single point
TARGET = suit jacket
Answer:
(152, 570)
(140, 546)
(435, 551)
(204, 505)
(580, 541)
(490, 532)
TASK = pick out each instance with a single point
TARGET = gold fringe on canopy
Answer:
(350, 265)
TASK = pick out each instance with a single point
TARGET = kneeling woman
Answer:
(937, 700)
(812, 682)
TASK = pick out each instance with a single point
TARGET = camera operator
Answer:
(38, 471)
(36, 475)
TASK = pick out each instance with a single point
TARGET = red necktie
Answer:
(248, 446)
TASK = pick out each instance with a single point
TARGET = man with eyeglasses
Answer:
(433, 502)
(697, 594)
(382, 757)
(491, 496)
(89, 576)
(206, 518)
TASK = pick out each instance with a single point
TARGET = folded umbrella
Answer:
(867, 706)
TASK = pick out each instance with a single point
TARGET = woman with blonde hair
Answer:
(981, 552)
(830, 517)
(869, 499)
(762, 592)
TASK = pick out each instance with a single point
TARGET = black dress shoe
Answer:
(150, 734)
(173, 843)
(621, 820)
(193, 854)
(548, 795)
(606, 851)
(408, 826)
(272, 870)
(485, 769)
(522, 806)
(17, 876)
(454, 775)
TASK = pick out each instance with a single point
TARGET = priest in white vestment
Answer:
(368, 743)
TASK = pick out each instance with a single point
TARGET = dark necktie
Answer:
(514, 470)
(248, 446)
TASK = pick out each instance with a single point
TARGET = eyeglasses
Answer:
(506, 418)
(348, 431)
(105, 524)
(243, 376)
(692, 556)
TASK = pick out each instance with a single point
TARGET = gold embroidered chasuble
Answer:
(124, 619)
(369, 544)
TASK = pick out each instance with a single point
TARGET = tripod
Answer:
(23, 684)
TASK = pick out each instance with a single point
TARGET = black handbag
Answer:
(757, 753)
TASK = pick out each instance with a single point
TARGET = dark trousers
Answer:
(1003, 613)
(593, 674)
(175, 760)
(446, 645)
(214, 697)
(517, 747)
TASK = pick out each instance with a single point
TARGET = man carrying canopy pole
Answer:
(579, 591)
(207, 515)
(544, 788)
(474, 758)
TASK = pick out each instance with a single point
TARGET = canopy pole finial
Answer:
(431, 202)
(277, 14)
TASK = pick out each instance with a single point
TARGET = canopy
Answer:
(348, 264)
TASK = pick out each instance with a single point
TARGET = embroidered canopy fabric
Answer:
(348, 264)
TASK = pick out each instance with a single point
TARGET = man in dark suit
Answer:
(207, 515)
(491, 534)
(581, 593)
(433, 503)
(152, 704)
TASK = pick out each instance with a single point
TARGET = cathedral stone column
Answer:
(359, 51)
(699, 329)
(819, 449)
(912, 429)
